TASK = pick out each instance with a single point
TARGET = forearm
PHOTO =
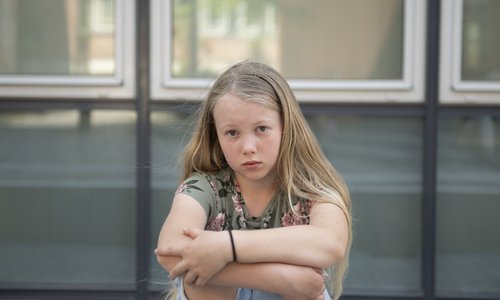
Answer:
(268, 277)
(278, 278)
(320, 244)
(168, 262)
(306, 245)
(289, 281)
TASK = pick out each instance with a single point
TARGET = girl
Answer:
(253, 163)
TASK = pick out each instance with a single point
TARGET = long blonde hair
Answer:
(302, 168)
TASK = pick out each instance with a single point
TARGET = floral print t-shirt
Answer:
(221, 198)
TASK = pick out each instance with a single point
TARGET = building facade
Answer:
(97, 99)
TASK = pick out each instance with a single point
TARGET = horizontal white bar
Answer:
(61, 80)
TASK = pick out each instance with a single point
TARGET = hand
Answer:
(173, 249)
(304, 283)
(203, 257)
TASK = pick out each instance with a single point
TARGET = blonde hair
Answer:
(302, 168)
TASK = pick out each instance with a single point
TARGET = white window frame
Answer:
(119, 86)
(453, 90)
(408, 90)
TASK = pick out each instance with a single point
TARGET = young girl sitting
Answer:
(253, 163)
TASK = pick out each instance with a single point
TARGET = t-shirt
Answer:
(225, 208)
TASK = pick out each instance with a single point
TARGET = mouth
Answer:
(251, 163)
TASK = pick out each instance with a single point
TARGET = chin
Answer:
(257, 176)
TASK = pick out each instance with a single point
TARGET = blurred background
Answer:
(97, 99)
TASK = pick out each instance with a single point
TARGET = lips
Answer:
(252, 163)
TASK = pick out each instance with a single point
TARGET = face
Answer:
(250, 136)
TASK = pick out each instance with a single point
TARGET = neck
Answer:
(257, 194)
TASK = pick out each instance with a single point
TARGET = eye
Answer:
(262, 129)
(231, 132)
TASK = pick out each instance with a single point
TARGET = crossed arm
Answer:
(287, 261)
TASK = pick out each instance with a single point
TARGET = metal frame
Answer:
(143, 205)
(430, 111)
(429, 160)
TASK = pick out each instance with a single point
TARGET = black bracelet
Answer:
(235, 258)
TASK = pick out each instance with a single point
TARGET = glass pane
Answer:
(324, 39)
(168, 139)
(67, 200)
(481, 41)
(380, 159)
(57, 37)
(468, 242)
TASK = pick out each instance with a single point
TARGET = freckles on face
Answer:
(249, 134)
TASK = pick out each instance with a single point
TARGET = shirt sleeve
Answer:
(200, 189)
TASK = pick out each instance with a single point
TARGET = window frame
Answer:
(120, 85)
(453, 90)
(410, 89)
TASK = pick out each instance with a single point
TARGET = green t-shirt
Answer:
(225, 208)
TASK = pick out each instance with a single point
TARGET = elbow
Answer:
(169, 249)
(167, 262)
(334, 252)
(339, 252)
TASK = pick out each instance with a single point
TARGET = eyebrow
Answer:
(257, 123)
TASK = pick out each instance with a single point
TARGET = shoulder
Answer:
(195, 182)
(215, 181)
(198, 186)
(204, 185)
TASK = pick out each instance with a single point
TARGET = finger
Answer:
(179, 269)
(169, 251)
(190, 278)
(200, 282)
(161, 251)
(192, 232)
(322, 296)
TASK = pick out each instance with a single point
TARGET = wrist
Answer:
(233, 246)
(226, 249)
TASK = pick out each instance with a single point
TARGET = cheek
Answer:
(276, 145)
(227, 151)
(223, 146)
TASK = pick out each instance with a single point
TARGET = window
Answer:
(169, 134)
(470, 65)
(67, 48)
(380, 160)
(67, 200)
(362, 50)
(468, 243)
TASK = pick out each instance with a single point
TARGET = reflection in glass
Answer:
(67, 200)
(468, 242)
(322, 39)
(480, 40)
(57, 37)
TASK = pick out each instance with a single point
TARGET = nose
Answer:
(249, 145)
